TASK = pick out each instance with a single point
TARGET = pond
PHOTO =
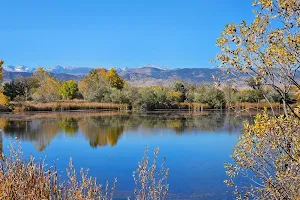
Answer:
(111, 143)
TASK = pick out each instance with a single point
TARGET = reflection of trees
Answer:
(101, 131)
(106, 129)
(69, 126)
(211, 122)
(3, 123)
(41, 132)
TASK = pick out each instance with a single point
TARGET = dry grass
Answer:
(259, 105)
(151, 181)
(65, 105)
(21, 179)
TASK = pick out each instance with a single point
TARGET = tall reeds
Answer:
(28, 179)
(66, 105)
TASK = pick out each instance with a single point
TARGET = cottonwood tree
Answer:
(267, 49)
(48, 86)
(93, 87)
(114, 79)
(68, 89)
(267, 155)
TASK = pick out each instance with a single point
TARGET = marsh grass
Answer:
(28, 179)
(65, 105)
(258, 105)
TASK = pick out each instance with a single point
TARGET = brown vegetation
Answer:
(65, 105)
(21, 179)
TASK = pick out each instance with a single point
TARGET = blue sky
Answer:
(115, 33)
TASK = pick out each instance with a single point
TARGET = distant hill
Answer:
(9, 76)
(141, 76)
(149, 75)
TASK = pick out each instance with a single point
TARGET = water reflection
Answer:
(105, 128)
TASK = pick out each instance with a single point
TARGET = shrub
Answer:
(28, 180)
(267, 154)
(151, 182)
(22, 179)
(215, 98)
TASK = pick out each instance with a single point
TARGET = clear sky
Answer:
(115, 33)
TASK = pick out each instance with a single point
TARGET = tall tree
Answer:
(114, 79)
(267, 49)
(179, 87)
(68, 89)
(93, 87)
(48, 86)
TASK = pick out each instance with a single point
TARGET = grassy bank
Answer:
(258, 105)
(64, 105)
(85, 105)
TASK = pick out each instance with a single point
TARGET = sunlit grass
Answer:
(66, 105)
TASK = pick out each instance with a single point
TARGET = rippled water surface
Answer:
(111, 143)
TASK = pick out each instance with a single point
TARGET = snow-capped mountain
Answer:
(19, 68)
(153, 67)
(70, 70)
(140, 76)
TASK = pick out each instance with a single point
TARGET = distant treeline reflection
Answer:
(105, 129)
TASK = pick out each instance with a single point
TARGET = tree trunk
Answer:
(284, 107)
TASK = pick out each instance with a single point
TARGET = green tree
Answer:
(252, 96)
(215, 98)
(68, 89)
(14, 88)
(20, 88)
(179, 87)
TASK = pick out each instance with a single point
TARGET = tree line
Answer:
(102, 85)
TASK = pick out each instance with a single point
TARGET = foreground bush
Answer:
(150, 181)
(20, 179)
(268, 156)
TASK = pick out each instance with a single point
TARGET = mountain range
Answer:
(140, 76)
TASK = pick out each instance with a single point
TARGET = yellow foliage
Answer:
(265, 52)
(3, 99)
(268, 154)
(230, 29)
(114, 79)
(174, 96)
(101, 72)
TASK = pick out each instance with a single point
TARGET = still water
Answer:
(110, 144)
